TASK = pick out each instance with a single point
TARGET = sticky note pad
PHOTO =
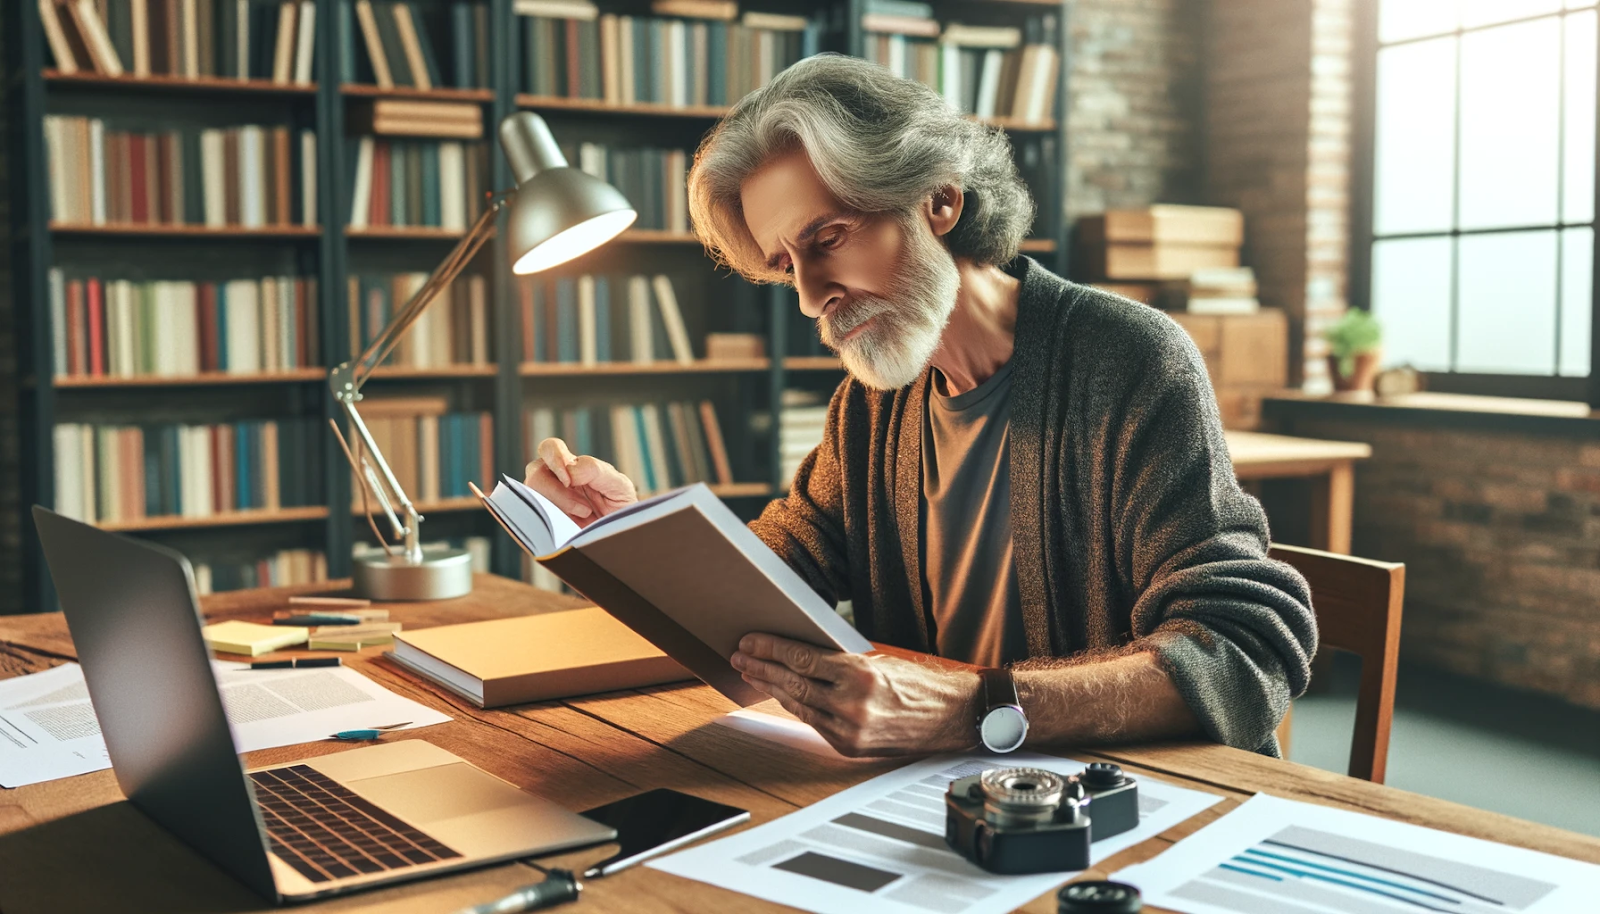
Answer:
(251, 639)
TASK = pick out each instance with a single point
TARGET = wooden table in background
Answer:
(76, 845)
(1329, 465)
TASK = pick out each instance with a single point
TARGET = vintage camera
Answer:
(1028, 820)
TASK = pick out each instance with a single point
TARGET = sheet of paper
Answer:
(1276, 856)
(879, 846)
(784, 731)
(48, 729)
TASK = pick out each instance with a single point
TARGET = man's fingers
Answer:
(602, 477)
(812, 692)
(821, 721)
(808, 661)
(556, 456)
(542, 480)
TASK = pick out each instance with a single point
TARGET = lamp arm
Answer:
(351, 375)
(347, 379)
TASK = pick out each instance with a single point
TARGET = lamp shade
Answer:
(557, 212)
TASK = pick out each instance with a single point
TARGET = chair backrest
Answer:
(1357, 602)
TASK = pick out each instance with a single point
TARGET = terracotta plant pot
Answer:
(1366, 370)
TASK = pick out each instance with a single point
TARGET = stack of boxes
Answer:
(1185, 259)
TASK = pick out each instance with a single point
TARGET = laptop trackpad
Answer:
(475, 812)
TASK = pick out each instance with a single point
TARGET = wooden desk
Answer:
(1328, 464)
(75, 845)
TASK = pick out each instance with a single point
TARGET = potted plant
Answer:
(1354, 349)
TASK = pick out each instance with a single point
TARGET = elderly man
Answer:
(1019, 473)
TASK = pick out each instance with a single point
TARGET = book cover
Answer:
(377, 57)
(305, 49)
(602, 319)
(56, 38)
(405, 29)
(649, 574)
(536, 658)
(567, 347)
(461, 46)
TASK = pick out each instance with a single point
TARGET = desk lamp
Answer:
(556, 213)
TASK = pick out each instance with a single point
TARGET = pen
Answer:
(296, 663)
(349, 602)
(557, 887)
(369, 733)
(315, 619)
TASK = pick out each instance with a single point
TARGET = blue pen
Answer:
(371, 733)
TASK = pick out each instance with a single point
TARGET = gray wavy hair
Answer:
(879, 143)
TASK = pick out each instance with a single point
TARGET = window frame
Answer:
(1364, 109)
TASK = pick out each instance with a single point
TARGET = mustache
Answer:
(839, 325)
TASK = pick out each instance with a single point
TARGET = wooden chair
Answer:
(1357, 602)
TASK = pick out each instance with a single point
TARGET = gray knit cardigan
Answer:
(1128, 525)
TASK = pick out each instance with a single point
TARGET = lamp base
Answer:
(442, 575)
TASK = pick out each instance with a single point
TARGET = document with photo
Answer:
(879, 846)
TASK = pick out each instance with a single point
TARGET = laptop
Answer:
(325, 826)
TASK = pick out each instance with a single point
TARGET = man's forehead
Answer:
(783, 198)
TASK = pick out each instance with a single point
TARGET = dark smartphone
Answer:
(656, 822)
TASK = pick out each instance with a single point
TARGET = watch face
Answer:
(1003, 728)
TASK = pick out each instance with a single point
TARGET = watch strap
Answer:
(998, 689)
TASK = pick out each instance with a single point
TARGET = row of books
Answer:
(454, 330)
(987, 71)
(391, 44)
(654, 180)
(251, 176)
(659, 446)
(587, 320)
(237, 39)
(421, 183)
(125, 328)
(280, 569)
(124, 473)
(433, 452)
(570, 50)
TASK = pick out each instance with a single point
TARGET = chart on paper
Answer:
(1276, 856)
(1308, 865)
(881, 845)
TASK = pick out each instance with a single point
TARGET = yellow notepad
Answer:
(252, 639)
(350, 642)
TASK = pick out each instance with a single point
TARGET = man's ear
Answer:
(943, 209)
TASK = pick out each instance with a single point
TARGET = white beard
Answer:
(907, 325)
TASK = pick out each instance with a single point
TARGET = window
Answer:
(1481, 248)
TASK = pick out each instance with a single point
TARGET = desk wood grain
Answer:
(76, 845)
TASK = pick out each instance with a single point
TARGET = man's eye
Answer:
(831, 240)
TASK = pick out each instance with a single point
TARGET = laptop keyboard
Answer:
(326, 832)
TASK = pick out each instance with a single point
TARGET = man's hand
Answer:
(864, 706)
(586, 488)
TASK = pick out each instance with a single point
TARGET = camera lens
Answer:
(1098, 897)
(1017, 795)
(1103, 776)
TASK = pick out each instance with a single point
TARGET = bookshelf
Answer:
(746, 391)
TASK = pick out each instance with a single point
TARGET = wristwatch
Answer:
(1002, 725)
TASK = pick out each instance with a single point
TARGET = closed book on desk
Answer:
(535, 658)
(682, 571)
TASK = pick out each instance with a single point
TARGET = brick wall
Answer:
(1500, 533)
(1277, 146)
(1133, 94)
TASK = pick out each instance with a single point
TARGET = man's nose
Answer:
(818, 294)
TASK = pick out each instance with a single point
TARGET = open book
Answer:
(682, 571)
